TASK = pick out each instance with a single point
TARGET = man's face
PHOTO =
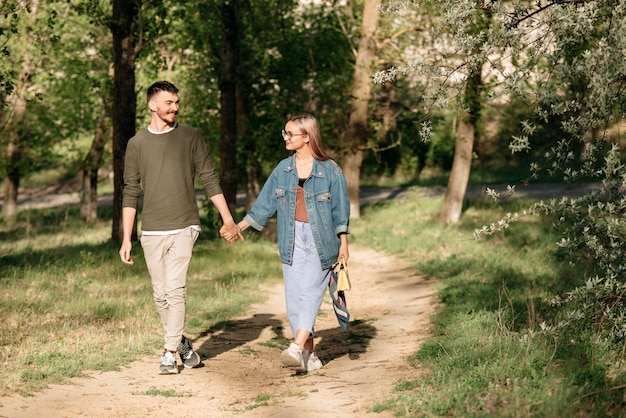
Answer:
(164, 106)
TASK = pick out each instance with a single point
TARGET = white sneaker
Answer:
(312, 361)
(292, 358)
(168, 364)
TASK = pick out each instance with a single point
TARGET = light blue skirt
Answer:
(305, 281)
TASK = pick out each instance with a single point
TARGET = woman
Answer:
(308, 191)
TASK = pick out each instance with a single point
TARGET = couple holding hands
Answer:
(307, 191)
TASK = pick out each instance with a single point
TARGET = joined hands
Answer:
(231, 233)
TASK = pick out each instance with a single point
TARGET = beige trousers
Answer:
(167, 259)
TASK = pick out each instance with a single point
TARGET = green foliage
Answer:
(488, 354)
(22, 75)
(11, 23)
(403, 152)
(292, 59)
(562, 65)
(442, 142)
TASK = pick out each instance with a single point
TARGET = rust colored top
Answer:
(301, 214)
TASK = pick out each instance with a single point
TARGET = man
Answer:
(163, 160)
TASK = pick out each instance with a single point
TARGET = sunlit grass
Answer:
(482, 361)
(166, 393)
(260, 400)
(68, 305)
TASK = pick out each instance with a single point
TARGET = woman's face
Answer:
(294, 137)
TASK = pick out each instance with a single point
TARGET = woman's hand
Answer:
(343, 249)
(231, 232)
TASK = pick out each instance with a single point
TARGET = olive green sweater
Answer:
(164, 166)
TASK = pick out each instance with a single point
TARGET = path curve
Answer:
(390, 305)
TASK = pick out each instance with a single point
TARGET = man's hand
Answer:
(231, 233)
(125, 253)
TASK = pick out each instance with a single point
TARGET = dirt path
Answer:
(242, 376)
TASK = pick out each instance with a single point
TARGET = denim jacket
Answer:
(327, 205)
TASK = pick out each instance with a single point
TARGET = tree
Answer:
(13, 174)
(249, 60)
(24, 136)
(288, 60)
(16, 119)
(459, 175)
(357, 127)
(222, 65)
(9, 28)
(565, 61)
(228, 85)
(124, 111)
(84, 56)
(90, 166)
(373, 133)
(466, 131)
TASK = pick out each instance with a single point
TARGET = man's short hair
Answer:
(161, 86)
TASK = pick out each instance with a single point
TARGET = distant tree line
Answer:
(74, 74)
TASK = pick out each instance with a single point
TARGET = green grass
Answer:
(260, 400)
(166, 393)
(68, 305)
(482, 360)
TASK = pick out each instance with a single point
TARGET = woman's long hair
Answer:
(308, 124)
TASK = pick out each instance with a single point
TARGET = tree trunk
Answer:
(228, 104)
(12, 171)
(361, 91)
(250, 157)
(253, 187)
(242, 132)
(463, 151)
(124, 99)
(12, 175)
(459, 176)
(466, 133)
(91, 165)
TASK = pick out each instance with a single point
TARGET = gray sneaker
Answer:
(292, 358)
(189, 357)
(168, 364)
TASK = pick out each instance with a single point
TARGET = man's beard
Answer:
(168, 117)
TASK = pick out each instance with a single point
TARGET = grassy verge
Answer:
(67, 304)
(483, 360)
